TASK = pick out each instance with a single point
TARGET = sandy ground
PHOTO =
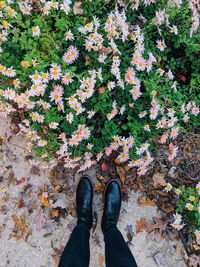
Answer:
(166, 252)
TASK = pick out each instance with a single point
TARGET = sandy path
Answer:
(20, 254)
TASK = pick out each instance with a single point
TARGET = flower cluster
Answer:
(71, 55)
(177, 222)
(90, 85)
(188, 209)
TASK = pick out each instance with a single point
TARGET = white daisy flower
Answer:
(36, 31)
(70, 117)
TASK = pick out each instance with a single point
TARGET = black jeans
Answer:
(77, 250)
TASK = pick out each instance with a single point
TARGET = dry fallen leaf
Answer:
(141, 225)
(101, 259)
(145, 201)
(43, 165)
(158, 180)
(58, 252)
(20, 225)
(127, 167)
(87, 60)
(122, 173)
(54, 213)
(39, 219)
(106, 50)
(99, 187)
(187, 147)
(20, 222)
(102, 179)
(167, 209)
(2, 139)
(44, 198)
(58, 188)
(77, 9)
(158, 224)
(101, 90)
(17, 237)
(194, 260)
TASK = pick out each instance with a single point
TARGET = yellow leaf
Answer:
(2, 139)
(44, 200)
(58, 187)
(55, 213)
(101, 258)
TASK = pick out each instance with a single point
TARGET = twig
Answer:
(17, 146)
(29, 243)
(184, 244)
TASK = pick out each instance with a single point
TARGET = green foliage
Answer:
(180, 56)
(191, 217)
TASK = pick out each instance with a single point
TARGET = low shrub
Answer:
(94, 77)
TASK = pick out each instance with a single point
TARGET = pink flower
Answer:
(163, 138)
(42, 143)
(174, 132)
(71, 55)
(161, 45)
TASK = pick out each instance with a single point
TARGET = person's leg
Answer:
(77, 250)
(117, 252)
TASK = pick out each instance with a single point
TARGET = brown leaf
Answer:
(194, 260)
(102, 179)
(43, 165)
(19, 204)
(101, 90)
(113, 156)
(158, 180)
(141, 225)
(11, 178)
(106, 50)
(158, 224)
(36, 5)
(87, 60)
(17, 237)
(20, 222)
(101, 259)
(22, 180)
(167, 209)
(99, 187)
(20, 225)
(145, 201)
(77, 9)
(198, 157)
(55, 213)
(58, 252)
(187, 147)
(122, 173)
(56, 258)
(2, 139)
(127, 167)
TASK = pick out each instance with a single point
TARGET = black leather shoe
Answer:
(112, 204)
(84, 196)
